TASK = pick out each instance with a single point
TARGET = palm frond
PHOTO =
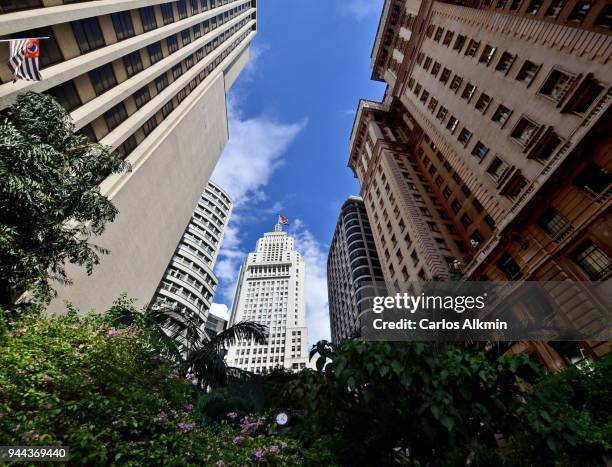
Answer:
(245, 330)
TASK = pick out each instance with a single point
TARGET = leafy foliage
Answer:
(50, 203)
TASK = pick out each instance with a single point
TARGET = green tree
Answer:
(50, 202)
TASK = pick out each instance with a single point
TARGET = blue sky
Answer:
(291, 113)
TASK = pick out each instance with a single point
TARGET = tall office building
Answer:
(354, 274)
(189, 283)
(148, 78)
(270, 291)
(490, 154)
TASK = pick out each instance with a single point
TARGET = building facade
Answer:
(489, 157)
(270, 291)
(353, 270)
(215, 325)
(189, 283)
(148, 78)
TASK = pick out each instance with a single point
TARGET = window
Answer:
(452, 124)
(448, 37)
(88, 132)
(555, 8)
(516, 5)
(189, 62)
(142, 96)
(456, 83)
(133, 63)
(166, 109)
(464, 136)
(509, 267)
(534, 7)
(122, 22)
(441, 113)
(197, 31)
(161, 82)
(177, 71)
(438, 35)
(427, 63)
(195, 8)
(459, 42)
(545, 146)
(435, 68)
(489, 221)
(505, 62)
(585, 95)
(149, 125)
(483, 102)
(472, 48)
(479, 207)
(487, 54)
(155, 52)
(181, 6)
(127, 146)
(553, 223)
(102, 78)
(465, 220)
(8, 6)
(468, 91)
(88, 34)
(445, 75)
(528, 72)
(447, 193)
(556, 84)
(66, 94)
(204, 4)
(185, 37)
(580, 11)
(523, 131)
(595, 180)
(172, 44)
(167, 13)
(497, 169)
(604, 20)
(115, 116)
(501, 115)
(480, 150)
(147, 17)
(592, 260)
(424, 96)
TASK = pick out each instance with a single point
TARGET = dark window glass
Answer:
(604, 20)
(534, 7)
(197, 31)
(177, 70)
(167, 13)
(149, 125)
(155, 52)
(195, 8)
(580, 11)
(594, 179)
(189, 62)
(182, 8)
(127, 147)
(7, 6)
(166, 109)
(555, 8)
(172, 43)
(122, 21)
(553, 223)
(161, 82)
(133, 63)
(67, 95)
(49, 50)
(509, 267)
(204, 4)
(88, 34)
(102, 78)
(147, 16)
(593, 260)
(186, 37)
(115, 116)
(88, 131)
(142, 96)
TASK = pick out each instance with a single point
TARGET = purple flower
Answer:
(219, 463)
(259, 454)
(238, 440)
(274, 449)
(232, 416)
(186, 427)
(188, 408)
(161, 417)
(47, 379)
(112, 333)
(173, 374)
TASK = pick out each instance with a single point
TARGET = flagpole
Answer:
(22, 38)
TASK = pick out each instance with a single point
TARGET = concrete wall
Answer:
(155, 204)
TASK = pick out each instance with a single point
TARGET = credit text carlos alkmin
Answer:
(412, 304)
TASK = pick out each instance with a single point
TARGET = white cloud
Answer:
(314, 255)
(360, 9)
(220, 310)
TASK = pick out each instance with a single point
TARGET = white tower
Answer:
(270, 291)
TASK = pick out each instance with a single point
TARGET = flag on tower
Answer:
(283, 220)
(23, 60)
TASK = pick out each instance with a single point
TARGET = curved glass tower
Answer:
(189, 283)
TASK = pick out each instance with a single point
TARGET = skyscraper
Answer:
(189, 283)
(270, 290)
(148, 78)
(353, 270)
(490, 155)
